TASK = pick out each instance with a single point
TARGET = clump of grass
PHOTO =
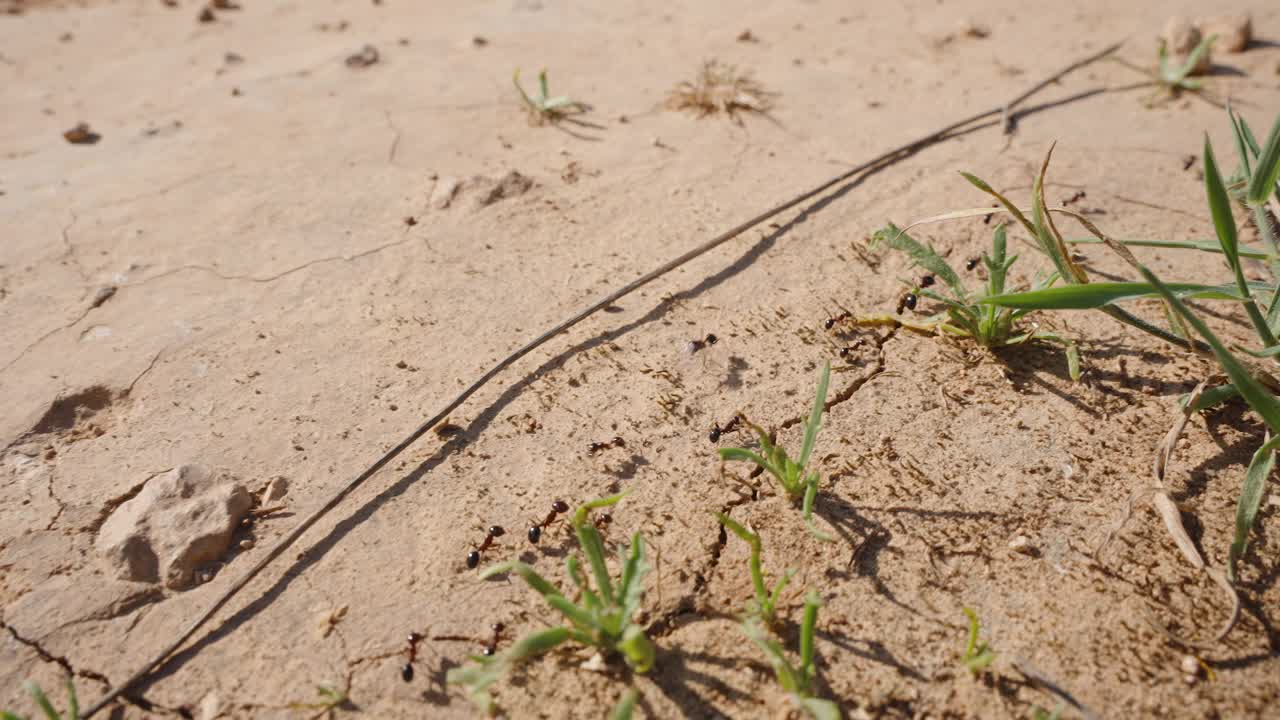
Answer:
(799, 485)
(544, 108)
(963, 313)
(765, 602)
(977, 654)
(46, 707)
(1259, 183)
(721, 88)
(602, 617)
(1174, 78)
(796, 680)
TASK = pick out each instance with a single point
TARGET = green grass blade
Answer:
(744, 454)
(580, 515)
(73, 702)
(1100, 294)
(576, 615)
(1267, 171)
(807, 625)
(820, 709)
(41, 700)
(6, 715)
(810, 494)
(631, 588)
(1255, 483)
(593, 548)
(530, 576)
(815, 416)
(788, 676)
(757, 573)
(626, 706)
(1073, 361)
(1257, 396)
(1179, 76)
(922, 255)
(1211, 397)
(636, 647)
(1242, 145)
(1220, 207)
(1209, 246)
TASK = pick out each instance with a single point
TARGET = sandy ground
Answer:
(275, 315)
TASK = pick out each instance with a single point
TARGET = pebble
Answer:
(1190, 665)
(246, 544)
(1022, 544)
(1234, 31)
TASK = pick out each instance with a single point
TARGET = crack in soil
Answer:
(61, 660)
(202, 268)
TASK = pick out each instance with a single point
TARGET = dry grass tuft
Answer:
(721, 88)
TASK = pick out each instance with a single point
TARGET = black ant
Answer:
(986, 220)
(406, 670)
(1188, 162)
(473, 557)
(596, 447)
(492, 647)
(603, 521)
(971, 263)
(908, 301)
(926, 281)
(717, 431)
(696, 345)
(1080, 195)
(558, 507)
(833, 321)
(845, 352)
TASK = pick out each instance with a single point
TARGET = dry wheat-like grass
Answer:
(721, 88)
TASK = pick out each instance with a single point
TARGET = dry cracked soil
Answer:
(294, 230)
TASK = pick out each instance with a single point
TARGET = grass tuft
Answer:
(721, 88)
(602, 617)
(791, 474)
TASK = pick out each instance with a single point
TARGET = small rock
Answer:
(246, 544)
(442, 194)
(367, 56)
(180, 521)
(1022, 544)
(210, 706)
(510, 185)
(81, 134)
(1234, 31)
(595, 663)
(1180, 36)
(276, 489)
(1190, 665)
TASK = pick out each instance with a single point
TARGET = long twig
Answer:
(283, 544)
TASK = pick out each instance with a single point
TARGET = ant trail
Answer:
(881, 161)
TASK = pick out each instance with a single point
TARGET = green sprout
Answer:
(977, 654)
(46, 707)
(544, 108)
(1256, 386)
(1171, 78)
(765, 602)
(791, 473)
(626, 706)
(797, 681)
(602, 618)
(963, 313)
